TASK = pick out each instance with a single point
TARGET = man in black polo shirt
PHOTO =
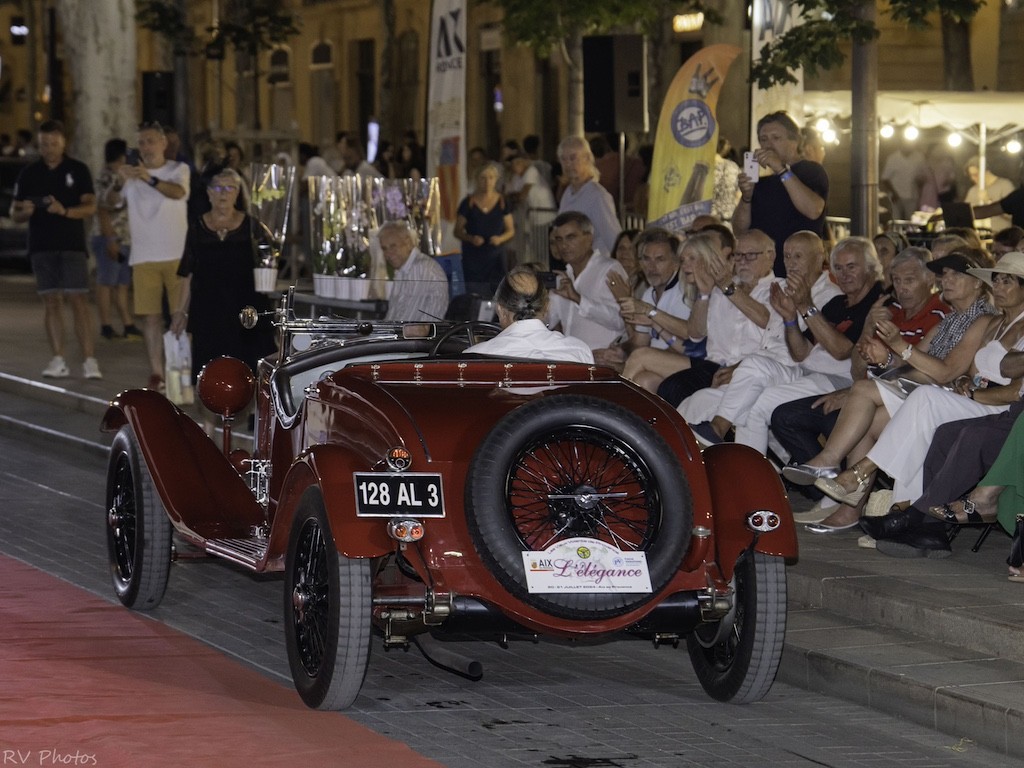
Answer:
(54, 194)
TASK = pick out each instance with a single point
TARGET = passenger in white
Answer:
(583, 304)
(522, 301)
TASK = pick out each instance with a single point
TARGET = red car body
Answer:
(326, 420)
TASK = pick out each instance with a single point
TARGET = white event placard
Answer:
(586, 565)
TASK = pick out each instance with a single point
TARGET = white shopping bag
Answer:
(178, 369)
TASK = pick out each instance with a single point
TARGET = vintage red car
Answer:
(406, 489)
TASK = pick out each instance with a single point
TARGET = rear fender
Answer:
(741, 481)
(202, 493)
(330, 468)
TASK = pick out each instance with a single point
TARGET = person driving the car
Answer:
(522, 302)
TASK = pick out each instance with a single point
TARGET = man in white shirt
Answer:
(713, 412)
(156, 191)
(522, 301)
(583, 304)
(732, 310)
(420, 286)
(585, 194)
(662, 301)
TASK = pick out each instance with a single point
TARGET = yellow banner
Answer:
(682, 175)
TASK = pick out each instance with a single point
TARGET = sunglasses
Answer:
(222, 188)
(152, 125)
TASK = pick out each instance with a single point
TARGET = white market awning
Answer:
(959, 110)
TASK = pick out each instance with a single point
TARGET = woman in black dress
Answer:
(217, 266)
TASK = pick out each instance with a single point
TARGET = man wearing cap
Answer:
(799, 422)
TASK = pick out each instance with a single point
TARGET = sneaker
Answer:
(107, 332)
(91, 369)
(57, 369)
(156, 383)
(705, 434)
(132, 333)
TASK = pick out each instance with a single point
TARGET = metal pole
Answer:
(622, 179)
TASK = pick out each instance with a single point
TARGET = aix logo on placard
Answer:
(450, 47)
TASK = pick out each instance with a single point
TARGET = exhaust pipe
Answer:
(437, 654)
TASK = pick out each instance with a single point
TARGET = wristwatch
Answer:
(153, 181)
(653, 313)
(730, 289)
(811, 312)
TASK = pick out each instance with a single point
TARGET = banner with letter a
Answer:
(682, 175)
(446, 111)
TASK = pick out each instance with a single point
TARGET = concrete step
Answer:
(940, 642)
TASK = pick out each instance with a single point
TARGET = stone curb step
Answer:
(974, 609)
(953, 690)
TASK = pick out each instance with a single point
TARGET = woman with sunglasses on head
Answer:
(218, 282)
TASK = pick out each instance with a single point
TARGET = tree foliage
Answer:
(256, 25)
(815, 43)
(250, 26)
(545, 25)
(167, 18)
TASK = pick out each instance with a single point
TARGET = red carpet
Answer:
(84, 682)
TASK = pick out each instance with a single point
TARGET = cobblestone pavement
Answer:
(620, 703)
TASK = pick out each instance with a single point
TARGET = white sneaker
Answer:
(91, 369)
(57, 369)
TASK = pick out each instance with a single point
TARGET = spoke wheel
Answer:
(581, 482)
(327, 612)
(138, 530)
(737, 659)
(568, 466)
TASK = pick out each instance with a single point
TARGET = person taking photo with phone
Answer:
(157, 193)
(791, 198)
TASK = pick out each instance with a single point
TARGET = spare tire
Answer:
(567, 466)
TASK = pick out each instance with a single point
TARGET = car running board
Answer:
(247, 552)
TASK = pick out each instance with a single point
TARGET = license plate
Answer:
(381, 494)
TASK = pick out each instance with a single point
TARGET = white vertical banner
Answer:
(770, 19)
(446, 111)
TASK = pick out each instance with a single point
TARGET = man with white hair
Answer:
(420, 286)
(585, 194)
(713, 412)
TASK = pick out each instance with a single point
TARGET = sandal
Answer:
(832, 488)
(964, 514)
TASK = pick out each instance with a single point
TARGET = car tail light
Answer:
(405, 530)
(763, 521)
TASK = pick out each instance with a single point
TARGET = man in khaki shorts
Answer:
(156, 191)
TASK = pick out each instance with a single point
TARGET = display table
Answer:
(360, 310)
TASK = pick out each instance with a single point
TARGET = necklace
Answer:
(221, 229)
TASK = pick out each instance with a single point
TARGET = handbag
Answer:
(178, 368)
(1016, 558)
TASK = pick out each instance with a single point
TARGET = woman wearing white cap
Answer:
(903, 444)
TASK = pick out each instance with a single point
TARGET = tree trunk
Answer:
(99, 49)
(864, 135)
(956, 54)
(574, 49)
